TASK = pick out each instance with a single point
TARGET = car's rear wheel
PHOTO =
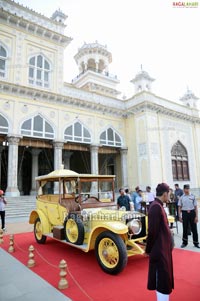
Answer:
(110, 252)
(74, 229)
(39, 237)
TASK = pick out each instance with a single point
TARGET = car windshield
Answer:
(98, 188)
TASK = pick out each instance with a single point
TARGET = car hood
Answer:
(109, 215)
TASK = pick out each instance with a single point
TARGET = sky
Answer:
(154, 34)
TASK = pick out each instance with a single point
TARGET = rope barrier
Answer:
(42, 257)
(56, 267)
(79, 285)
(16, 245)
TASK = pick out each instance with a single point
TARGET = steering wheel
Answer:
(91, 197)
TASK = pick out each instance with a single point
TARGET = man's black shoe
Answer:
(183, 246)
(197, 246)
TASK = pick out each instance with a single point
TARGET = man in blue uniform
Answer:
(188, 215)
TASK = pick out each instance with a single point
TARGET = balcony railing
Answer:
(105, 73)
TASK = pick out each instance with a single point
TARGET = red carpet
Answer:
(88, 282)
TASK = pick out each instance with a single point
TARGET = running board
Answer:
(83, 247)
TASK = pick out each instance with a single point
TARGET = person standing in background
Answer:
(138, 201)
(150, 195)
(131, 203)
(123, 200)
(171, 195)
(178, 192)
(3, 202)
(127, 193)
(134, 196)
(188, 215)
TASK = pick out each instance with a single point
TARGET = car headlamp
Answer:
(135, 226)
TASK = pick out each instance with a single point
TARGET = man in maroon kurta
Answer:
(159, 246)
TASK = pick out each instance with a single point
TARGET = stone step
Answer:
(20, 206)
(16, 212)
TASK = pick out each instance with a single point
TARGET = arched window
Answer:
(3, 125)
(39, 71)
(110, 138)
(77, 133)
(37, 127)
(180, 168)
(3, 58)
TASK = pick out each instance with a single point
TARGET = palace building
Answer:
(85, 125)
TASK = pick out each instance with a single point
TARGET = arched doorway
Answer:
(24, 170)
(26, 173)
(80, 162)
(45, 161)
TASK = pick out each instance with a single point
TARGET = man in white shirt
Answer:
(150, 195)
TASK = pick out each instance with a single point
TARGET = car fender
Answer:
(46, 228)
(116, 227)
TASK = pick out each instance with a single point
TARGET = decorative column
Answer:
(35, 153)
(124, 169)
(58, 146)
(94, 167)
(85, 66)
(12, 188)
(67, 156)
(94, 159)
(97, 65)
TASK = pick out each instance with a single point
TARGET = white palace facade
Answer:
(45, 122)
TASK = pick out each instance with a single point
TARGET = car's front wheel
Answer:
(110, 252)
(39, 237)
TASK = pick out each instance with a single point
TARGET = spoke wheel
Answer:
(74, 229)
(39, 237)
(111, 252)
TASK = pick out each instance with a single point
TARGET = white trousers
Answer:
(162, 297)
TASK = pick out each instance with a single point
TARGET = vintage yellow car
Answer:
(80, 210)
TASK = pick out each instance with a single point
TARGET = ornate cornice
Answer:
(80, 99)
(33, 28)
(159, 109)
(76, 98)
(15, 7)
(93, 87)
